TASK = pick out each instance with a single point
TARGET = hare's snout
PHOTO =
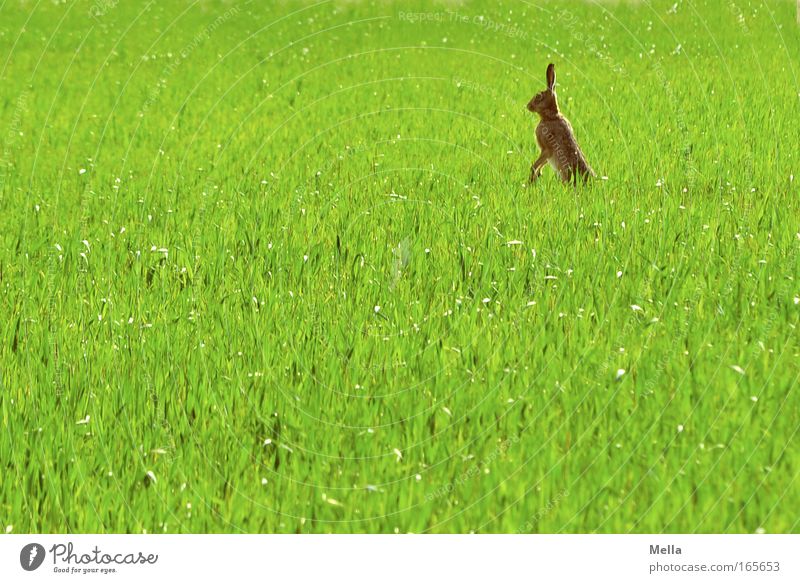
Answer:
(532, 106)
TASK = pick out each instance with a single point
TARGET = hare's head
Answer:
(544, 103)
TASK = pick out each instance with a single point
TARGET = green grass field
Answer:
(274, 267)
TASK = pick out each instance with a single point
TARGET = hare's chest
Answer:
(549, 136)
(541, 136)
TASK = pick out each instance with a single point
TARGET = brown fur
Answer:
(555, 137)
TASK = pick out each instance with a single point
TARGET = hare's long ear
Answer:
(551, 77)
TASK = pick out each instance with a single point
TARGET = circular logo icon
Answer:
(31, 556)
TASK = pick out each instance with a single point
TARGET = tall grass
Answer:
(276, 268)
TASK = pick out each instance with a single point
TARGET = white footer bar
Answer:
(384, 558)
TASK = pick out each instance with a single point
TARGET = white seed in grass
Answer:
(82, 171)
(377, 309)
(267, 441)
(619, 274)
(264, 481)
(680, 428)
(9, 528)
(620, 373)
(150, 478)
(83, 421)
(398, 453)
(738, 369)
(754, 399)
(636, 308)
(796, 300)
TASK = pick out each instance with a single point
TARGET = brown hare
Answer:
(555, 137)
